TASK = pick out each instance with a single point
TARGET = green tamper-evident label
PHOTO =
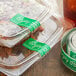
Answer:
(72, 54)
(66, 59)
(39, 47)
(20, 20)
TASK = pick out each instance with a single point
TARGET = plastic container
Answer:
(14, 61)
(19, 59)
(10, 33)
(68, 49)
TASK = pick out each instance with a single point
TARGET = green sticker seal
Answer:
(20, 20)
(66, 59)
(39, 47)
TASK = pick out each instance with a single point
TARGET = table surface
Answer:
(50, 65)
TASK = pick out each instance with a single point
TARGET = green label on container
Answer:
(68, 61)
(34, 45)
(70, 51)
(72, 54)
(20, 20)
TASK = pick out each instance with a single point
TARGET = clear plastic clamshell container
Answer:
(14, 61)
(10, 33)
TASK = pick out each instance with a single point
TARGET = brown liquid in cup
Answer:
(70, 9)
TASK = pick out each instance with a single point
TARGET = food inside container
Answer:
(18, 59)
(29, 9)
(10, 33)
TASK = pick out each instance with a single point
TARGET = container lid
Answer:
(9, 8)
(18, 55)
